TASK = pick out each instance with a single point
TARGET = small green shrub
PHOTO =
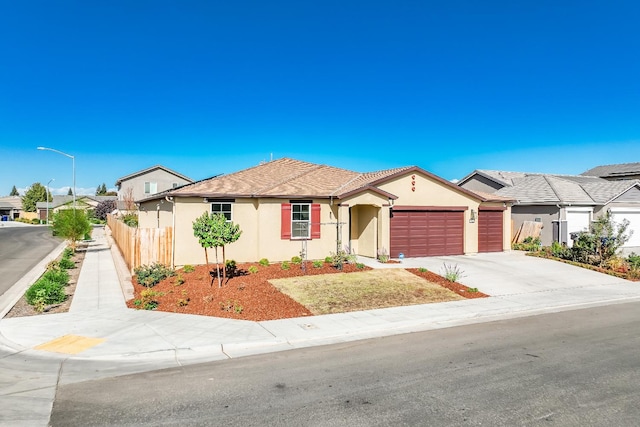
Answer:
(383, 255)
(179, 280)
(147, 299)
(422, 270)
(35, 221)
(43, 292)
(66, 263)
(231, 267)
(264, 262)
(452, 273)
(285, 265)
(253, 269)
(130, 219)
(68, 252)
(231, 305)
(151, 275)
(328, 259)
(472, 290)
(634, 261)
(59, 276)
(188, 268)
(359, 265)
(296, 260)
(318, 263)
(529, 244)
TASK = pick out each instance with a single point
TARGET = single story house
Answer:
(66, 202)
(10, 207)
(562, 203)
(286, 207)
(147, 182)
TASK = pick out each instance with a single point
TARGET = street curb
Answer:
(15, 292)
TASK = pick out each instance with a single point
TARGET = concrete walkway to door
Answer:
(511, 273)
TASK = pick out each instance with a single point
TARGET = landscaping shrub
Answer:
(66, 263)
(68, 252)
(328, 260)
(452, 273)
(57, 275)
(634, 261)
(296, 260)
(285, 265)
(253, 269)
(529, 244)
(130, 219)
(45, 292)
(264, 262)
(231, 267)
(151, 275)
(188, 268)
(317, 263)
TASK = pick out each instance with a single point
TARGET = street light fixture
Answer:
(73, 162)
(52, 179)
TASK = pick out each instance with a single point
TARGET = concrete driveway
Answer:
(511, 273)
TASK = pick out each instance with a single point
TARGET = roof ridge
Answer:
(288, 178)
(334, 192)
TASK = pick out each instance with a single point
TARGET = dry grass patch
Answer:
(339, 293)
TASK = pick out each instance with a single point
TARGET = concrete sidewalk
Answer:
(99, 337)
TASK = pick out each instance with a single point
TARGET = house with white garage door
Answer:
(286, 207)
(564, 204)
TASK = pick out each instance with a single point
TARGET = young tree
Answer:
(70, 193)
(213, 231)
(14, 191)
(36, 193)
(72, 224)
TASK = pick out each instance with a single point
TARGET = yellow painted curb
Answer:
(70, 344)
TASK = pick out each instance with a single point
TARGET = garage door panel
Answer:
(490, 231)
(427, 233)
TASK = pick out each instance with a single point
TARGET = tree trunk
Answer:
(218, 269)
(224, 265)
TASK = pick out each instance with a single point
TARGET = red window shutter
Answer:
(285, 221)
(315, 221)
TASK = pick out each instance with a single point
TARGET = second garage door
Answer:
(490, 231)
(427, 233)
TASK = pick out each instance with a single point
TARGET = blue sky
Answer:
(209, 87)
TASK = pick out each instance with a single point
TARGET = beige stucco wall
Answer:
(259, 221)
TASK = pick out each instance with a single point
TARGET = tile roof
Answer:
(620, 169)
(287, 177)
(565, 189)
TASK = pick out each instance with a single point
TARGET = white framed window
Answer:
(300, 220)
(222, 207)
(150, 187)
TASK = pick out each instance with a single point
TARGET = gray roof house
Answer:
(10, 207)
(144, 183)
(66, 202)
(562, 203)
(615, 172)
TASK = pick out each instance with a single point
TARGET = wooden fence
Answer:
(142, 246)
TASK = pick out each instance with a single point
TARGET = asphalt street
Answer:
(21, 248)
(571, 368)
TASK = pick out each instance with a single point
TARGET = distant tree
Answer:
(14, 191)
(101, 190)
(111, 193)
(70, 193)
(104, 208)
(71, 224)
(36, 193)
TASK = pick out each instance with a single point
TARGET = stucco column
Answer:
(384, 228)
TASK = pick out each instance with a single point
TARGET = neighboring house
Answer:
(66, 202)
(285, 207)
(10, 207)
(562, 203)
(147, 182)
(615, 172)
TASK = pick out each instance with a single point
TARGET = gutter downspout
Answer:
(173, 229)
(560, 223)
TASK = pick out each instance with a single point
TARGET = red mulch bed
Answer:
(453, 286)
(249, 296)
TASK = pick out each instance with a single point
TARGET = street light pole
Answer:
(52, 179)
(73, 162)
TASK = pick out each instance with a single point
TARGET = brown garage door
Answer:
(427, 233)
(490, 231)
